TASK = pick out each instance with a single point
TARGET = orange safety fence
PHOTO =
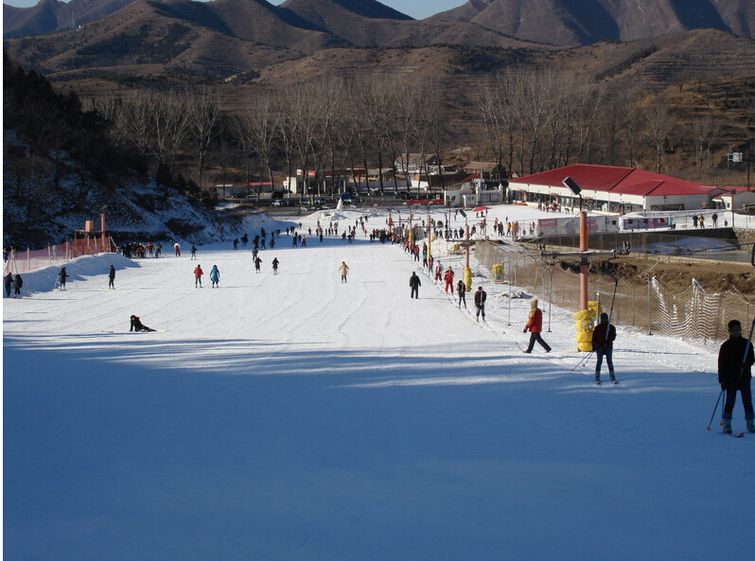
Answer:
(25, 261)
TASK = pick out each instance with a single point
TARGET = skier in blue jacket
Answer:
(215, 276)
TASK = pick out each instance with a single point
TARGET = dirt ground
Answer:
(678, 274)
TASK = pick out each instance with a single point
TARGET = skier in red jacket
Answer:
(198, 272)
(449, 278)
(535, 326)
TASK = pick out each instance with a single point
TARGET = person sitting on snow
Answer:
(137, 325)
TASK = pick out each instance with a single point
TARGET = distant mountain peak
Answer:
(371, 9)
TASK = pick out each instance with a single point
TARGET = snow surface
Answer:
(293, 417)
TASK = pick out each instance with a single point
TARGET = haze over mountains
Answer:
(368, 23)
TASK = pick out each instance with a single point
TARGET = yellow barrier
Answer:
(497, 272)
(468, 278)
(584, 324)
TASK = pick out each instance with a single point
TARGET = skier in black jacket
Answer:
(734, 361)
(8, 280)
(603, 337)
(18, 282)
(62, 276)
(415, 283)
(479, 301)
(111, 278)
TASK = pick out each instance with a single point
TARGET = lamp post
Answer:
(570, 184)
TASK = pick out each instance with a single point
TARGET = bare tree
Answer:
(305, 116)
(257, 129)
(658, 124)
(704, 132)
(287, 129)
(203, 108)
(631, 120)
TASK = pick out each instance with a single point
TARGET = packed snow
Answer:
(294, 417)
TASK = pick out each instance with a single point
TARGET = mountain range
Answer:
(368, 23)
(101, 47)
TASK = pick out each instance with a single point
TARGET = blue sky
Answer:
(415, 8)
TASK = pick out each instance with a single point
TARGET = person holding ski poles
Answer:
(198, 272)
(735, 359)
(461, 288)
(603, 337)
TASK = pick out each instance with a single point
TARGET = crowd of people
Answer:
(734, 371)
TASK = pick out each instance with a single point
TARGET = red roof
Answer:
(619, 180)
(587, 176)
(644, 188)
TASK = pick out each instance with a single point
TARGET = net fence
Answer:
(694, 313)
(33, 260)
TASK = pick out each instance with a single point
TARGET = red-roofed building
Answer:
(613, 189)
(735, 198)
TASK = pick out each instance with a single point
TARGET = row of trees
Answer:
(531, 121)
(318, 126)
(542, 120)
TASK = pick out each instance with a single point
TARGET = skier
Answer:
(603, 337)
(257, 262)
(111, 278)
(215, 277)
(734, 374)
(344, 270)
(198, 272)
(193, 252)
(137, 325)
(479, 301)
(8, 284)
(449, 278)
(414, 283)
(18, 282)
(235, 243)
(438, 271)
(535, 326)
(461, 288)
(275, 265)
(62, 276)
(177, 249)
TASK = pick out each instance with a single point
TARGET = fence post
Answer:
(28, 259)
(550, 297)
(650, 309)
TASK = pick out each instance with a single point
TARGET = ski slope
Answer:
(293, 417)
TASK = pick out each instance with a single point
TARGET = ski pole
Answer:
(714, 409)
(583, 361)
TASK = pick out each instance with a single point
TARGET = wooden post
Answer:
(102, 226)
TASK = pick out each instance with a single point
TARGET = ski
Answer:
(734, 434)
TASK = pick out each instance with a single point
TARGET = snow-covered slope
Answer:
(295, 417)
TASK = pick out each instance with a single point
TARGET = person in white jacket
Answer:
(344, 270)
